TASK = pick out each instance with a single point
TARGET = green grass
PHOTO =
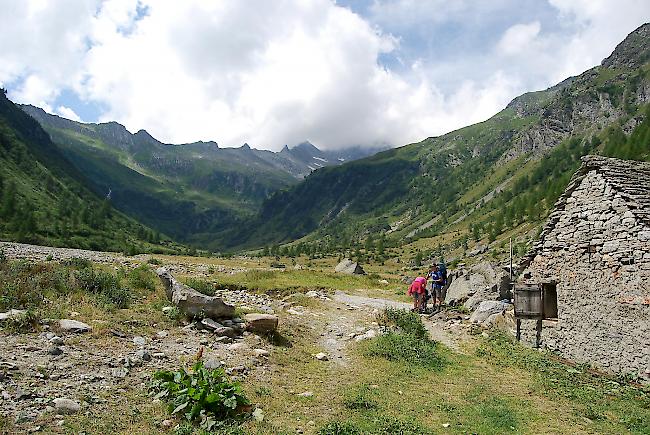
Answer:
(290, 281)
(610, 402)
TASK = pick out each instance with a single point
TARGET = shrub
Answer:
(3, 257)
(104, 284)
(407, 322)
(362, 399)
(200, 395)
(22, 284)
(27, 322)
(142, 278)
(339, 428)
(392, 425)
(174, 314)
(77, 263)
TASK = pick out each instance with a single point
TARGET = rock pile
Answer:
(482, 282)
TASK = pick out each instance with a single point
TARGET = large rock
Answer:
(70, 325)
(191, 302)
(11, 314)
(482, 282)
(262, 323)
(350, 267)
(487, 309)
(66, 406)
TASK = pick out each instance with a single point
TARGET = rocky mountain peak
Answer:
(306, 147)
(633, 51)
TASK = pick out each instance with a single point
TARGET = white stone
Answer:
(11, 314)
(74, 326)
(66, 406)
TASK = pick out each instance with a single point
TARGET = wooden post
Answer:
(518, 329)
(538, 338)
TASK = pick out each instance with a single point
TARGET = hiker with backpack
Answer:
(437, 283)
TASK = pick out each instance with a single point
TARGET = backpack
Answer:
(443, 271)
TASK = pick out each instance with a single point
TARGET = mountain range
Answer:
(477, 181)
(188, 191)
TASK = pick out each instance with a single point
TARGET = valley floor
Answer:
(486, 384)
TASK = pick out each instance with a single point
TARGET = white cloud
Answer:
(68, 113)
(270, 73)
(518, 38)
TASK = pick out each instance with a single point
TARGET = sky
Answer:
(270, 73)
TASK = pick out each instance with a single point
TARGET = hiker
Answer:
(437, 283)
(442, 268)
(416, 290)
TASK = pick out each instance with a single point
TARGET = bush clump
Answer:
(154, 261)
(104, 284)
(363, 398)
(407, 341)
(26, 322)
(339, 428)
(142, 278)
(405, 321)
(200, 395)
(77, 263)
(23, 284)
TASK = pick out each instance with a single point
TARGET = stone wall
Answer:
(598, 252)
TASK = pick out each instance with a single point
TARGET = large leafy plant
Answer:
(200, 395)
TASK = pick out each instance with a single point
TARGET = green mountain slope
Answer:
(44, 199)
(489, 176)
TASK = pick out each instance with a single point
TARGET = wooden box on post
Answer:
(529, 304)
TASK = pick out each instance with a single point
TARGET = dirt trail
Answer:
(437, 324)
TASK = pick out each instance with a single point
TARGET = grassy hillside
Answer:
(481, 180)
(43, 198)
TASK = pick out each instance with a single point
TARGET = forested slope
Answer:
(44, 199)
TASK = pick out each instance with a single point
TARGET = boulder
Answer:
(487, 309)
(69, 325)
(262, 323)
(11, 314)
(482, 282)
(66, 406)
(225, 331)
(191, 302)
(208, 323)
(349, 267)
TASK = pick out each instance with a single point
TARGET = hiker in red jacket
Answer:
(416, 290)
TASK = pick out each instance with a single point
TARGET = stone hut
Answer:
(592, 261)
